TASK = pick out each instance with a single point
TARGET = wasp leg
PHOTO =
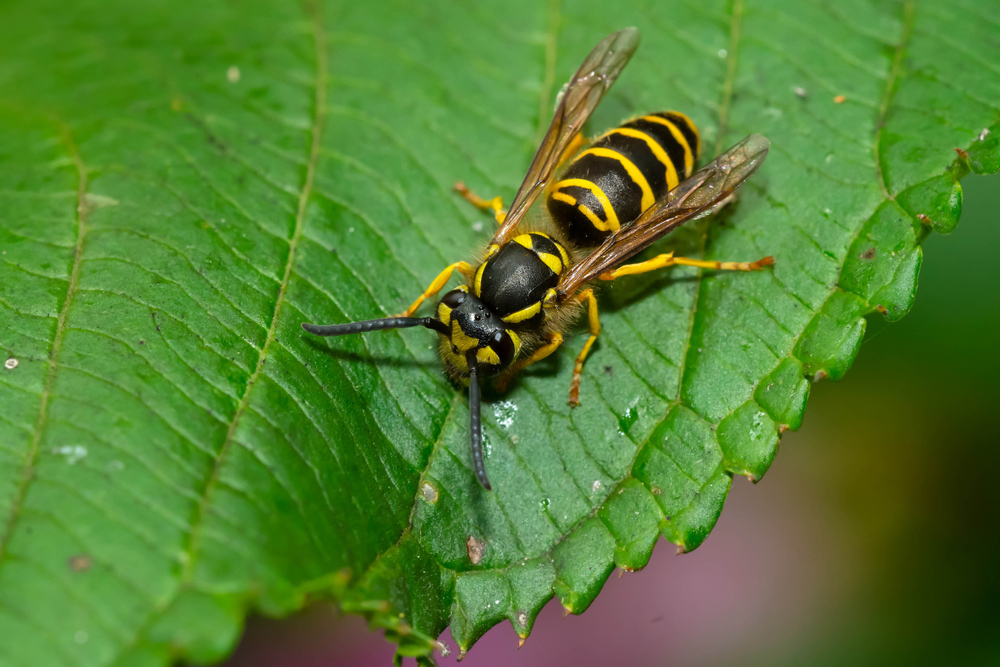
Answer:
(595, 331)
(495, 204)
(537, 355)
(442, 279)
(668, 259)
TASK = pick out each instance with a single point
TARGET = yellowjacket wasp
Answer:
(628, 189)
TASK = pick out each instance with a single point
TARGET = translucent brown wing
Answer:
(579, 98)
(702, 194)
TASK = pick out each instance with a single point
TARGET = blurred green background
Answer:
(873, 539)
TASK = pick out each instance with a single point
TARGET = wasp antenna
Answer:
(476, 423)
(375, 325)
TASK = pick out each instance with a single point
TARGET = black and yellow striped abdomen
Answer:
(623, 172)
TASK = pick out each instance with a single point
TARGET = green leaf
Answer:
(183, 184)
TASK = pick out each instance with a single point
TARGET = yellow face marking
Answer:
(486, 355)
(612, 223)
(552, 262)
(679, 136)
(460, 340)
(654, 146)
(459, 362)
(478, 283)
(633, 171)
(524, 313)
(565, 198)
(549, 299)
(444, 314)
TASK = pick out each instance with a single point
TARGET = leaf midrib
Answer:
(316, 130)
(82, 210)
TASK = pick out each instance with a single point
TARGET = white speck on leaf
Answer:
(985, 133)
(233, 74)
(801, 92)
(350, 230)
(116, 466)
(477, 226)
(504, 413)
(595, 486)
(429, 492)
(73, 453)
(723, 53)
(10, 364)
(81, 637)
(757, 428)
(94, 201)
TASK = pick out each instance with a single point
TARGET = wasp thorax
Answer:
(475, 328)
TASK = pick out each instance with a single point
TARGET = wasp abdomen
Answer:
(515, 280)
(624, 171)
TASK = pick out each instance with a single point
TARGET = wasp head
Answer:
(472, 327)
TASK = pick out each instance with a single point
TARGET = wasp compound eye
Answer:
(454, 298)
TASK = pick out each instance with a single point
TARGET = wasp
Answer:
(629, 188)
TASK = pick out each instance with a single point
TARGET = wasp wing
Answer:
(702, 194)
(578, 100)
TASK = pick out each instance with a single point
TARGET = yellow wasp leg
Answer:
(595, 331)
(442, 279)
(495, 204)
(537, 355)
(668, 259)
